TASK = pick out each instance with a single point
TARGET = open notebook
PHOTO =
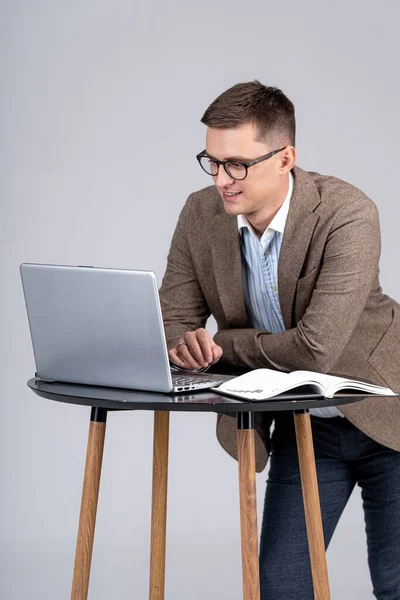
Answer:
(262, 384)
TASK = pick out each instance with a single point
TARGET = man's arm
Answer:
(350, 266)
(183, 305)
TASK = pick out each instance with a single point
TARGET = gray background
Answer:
(100, 108)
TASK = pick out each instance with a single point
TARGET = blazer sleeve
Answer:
(350, 265)
(183, 305)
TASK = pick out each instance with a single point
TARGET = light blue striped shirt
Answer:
(260, 257)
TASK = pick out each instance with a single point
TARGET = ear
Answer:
(287, 160)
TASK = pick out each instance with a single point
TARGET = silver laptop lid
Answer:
(96, 326)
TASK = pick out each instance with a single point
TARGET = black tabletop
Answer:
(202, 401)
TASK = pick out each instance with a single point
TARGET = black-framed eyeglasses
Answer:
(234, 168)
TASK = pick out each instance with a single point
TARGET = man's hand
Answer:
(195, 350)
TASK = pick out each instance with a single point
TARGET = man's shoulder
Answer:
(333, 193)
(205, 202)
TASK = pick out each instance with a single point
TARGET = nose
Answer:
(222, 178)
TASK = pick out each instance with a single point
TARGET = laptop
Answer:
(102, 327)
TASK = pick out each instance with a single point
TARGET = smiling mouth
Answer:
(230, 195)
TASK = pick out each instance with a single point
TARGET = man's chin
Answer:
(233, 208)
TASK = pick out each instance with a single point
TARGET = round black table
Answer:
(103, 399)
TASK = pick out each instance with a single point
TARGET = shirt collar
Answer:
(278, 223)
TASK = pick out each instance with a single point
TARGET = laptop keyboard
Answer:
(183, 383)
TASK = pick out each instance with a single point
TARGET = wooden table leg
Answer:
(159, 505)
(90, 494)
(248, 506)
(312, 508)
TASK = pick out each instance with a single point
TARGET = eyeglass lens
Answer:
(234, 169)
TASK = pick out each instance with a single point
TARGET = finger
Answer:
(180, 362)
(195, 349)
(217, 352)
(205, 342)
(175, 358)
(185, 354)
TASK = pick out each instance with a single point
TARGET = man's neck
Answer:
(260, 220)
(261, 225)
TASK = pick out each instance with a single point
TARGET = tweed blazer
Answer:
(336, 317)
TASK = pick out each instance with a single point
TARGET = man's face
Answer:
(258, 192)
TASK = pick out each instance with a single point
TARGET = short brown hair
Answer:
(252, 102)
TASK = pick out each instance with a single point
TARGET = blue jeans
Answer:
(344, 456)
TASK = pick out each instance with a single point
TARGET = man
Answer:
(287, 262)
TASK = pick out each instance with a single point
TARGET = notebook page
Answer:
(257, 384)
(325, 380)
(332, 383)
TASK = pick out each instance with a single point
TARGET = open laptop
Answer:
(101, 327)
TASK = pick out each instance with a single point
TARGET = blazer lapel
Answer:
(227, 266)
(226, 256)
(300, 225)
